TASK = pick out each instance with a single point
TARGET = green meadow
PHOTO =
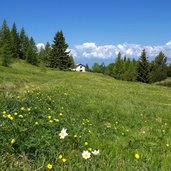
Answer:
(128, 122)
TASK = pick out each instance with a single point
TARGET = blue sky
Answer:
(92, 26)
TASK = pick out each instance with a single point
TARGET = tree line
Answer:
(136, 70)
(18, 45)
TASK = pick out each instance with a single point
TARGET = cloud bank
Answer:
(91, 50)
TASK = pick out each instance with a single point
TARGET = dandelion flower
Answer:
(86, 155)
(28, 109)
(60, 114)
(49, 117)
(63, 133)
(49, 166)
(51, 121)
(13, 141)
(95, 152)
(137, 156)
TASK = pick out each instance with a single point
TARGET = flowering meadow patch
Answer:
(85, 122)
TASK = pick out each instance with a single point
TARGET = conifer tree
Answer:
(24, 43)
(5, 44)
(31, 54)
(143, 68)
(59, 57)
(159, 68)
(119, 67)
(15, 42)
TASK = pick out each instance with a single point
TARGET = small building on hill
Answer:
(80, 68)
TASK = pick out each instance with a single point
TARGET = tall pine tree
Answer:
(24, 43)
(31, 54)
(5, 44)
(143, 69)
(15, 42)
(59, 57)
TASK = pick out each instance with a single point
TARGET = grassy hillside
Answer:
(129, 123)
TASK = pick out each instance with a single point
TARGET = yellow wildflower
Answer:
(60, 114)
(49, 117)
(10, 117)
(29, 109)
(22, 108)
(20, 116)
(137, 156)
(4, 113)
(89, 149)
(64, 160)
(51, 121)
(60, 156)
(167, 145)
(36, 123)
(86, 143)
(15, 113)
(56, 120)
(13, 141)
(49, 166)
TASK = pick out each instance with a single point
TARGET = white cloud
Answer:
(40, 45)
(91, 50)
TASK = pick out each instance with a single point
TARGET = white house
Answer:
(80, 68)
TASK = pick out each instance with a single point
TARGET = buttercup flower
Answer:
(12, 141)
(63, 133)
(86, 154)
(64, 160)
(86, 143)
(60, 156)
(137, 156)
(49, 166)
(22, 108)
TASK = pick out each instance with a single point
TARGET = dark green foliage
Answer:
(96, 67)
(119, 67)
(15, 42)
(109, 70)
(59, 57)
(169, 70)
(71, 62)
(5, 55)
(24, 44)
(143, 68)
(5, 44)
(31, 54)
(159, 68)
(87, 68)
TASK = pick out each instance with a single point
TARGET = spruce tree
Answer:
(119, 67)
(159, 68)
(24, 43)
(31, 54)
(143, 68)
(15, 42)
(5, 44)
(59, 57)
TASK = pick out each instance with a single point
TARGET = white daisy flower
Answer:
(86, 154)
(63, 133)
(95, 152)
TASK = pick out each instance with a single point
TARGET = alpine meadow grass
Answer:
(54, 120)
